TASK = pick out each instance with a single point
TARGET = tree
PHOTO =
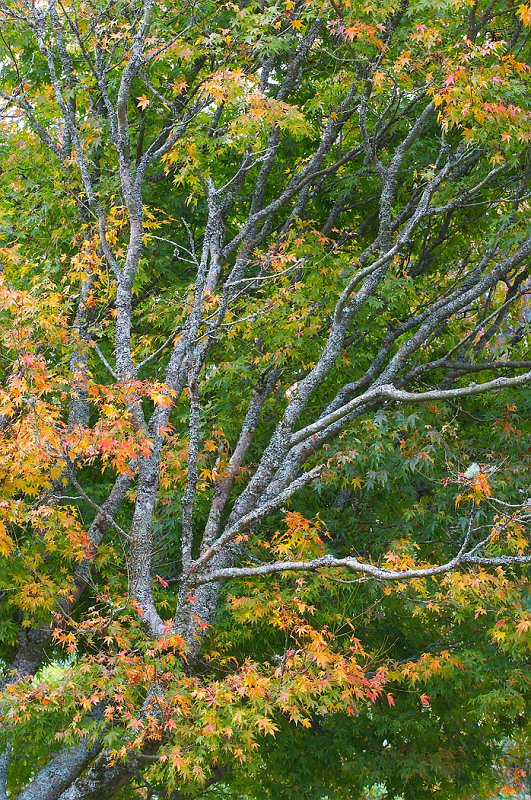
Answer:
(264, 270)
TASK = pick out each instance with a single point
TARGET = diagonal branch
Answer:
(388, 391)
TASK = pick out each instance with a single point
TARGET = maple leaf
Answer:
(267, 726)
(137, 607)
(143, 102)
(161, 399)
(6, 542)
(524, 12)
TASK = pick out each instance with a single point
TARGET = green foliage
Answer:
(275, 129)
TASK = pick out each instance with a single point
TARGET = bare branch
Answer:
(392, 393)
(353, 565)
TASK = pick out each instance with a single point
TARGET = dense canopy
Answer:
(264, 399)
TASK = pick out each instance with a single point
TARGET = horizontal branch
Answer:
(353, 565)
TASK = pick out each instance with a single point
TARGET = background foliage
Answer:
(264, 413)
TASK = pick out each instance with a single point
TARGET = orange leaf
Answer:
(524, 12)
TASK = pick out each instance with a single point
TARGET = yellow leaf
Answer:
(143, 102)
(524, 12)
(267, 726)
(6, 542)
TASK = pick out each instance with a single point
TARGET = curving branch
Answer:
(353, 565)
(390, 392)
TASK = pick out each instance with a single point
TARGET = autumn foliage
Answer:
(264, 399)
